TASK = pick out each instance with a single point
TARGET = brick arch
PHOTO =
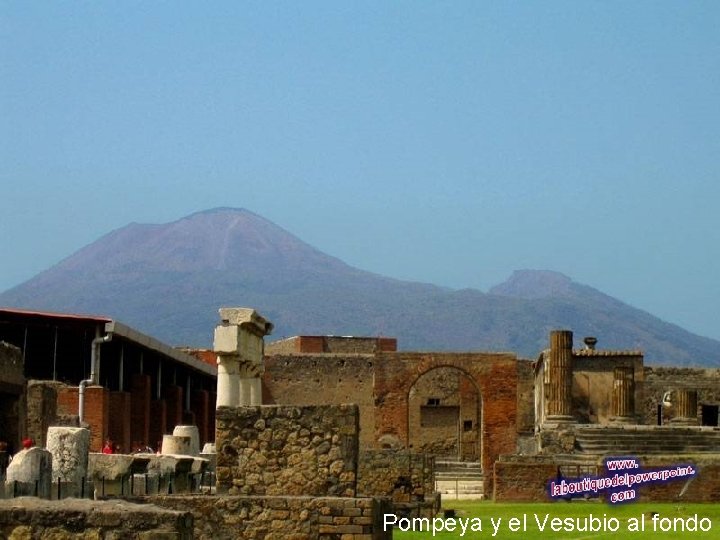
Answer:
(464, 374)
(494, 374)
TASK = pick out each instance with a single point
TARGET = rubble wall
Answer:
(31, 518)
(287, 450)
(282, 518)
(398, 474)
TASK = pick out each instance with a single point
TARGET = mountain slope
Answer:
(168, 280)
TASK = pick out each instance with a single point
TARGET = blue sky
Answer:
(446, 142)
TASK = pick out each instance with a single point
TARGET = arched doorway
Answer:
(445, 414)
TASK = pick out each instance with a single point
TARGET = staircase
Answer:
(461, 479)
(648, 440)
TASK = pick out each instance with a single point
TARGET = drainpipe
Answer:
(94, 373)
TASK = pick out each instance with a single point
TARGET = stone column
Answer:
(623, 396)
(256, 391)
(245, 385)
(239, 346)
(228, 389)
(559, 378)
(685, 404)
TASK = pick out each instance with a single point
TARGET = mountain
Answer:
(168, 280)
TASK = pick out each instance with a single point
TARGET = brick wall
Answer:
(331, 344)
(97, 410)
(495, 375)
(523, 479)
(280, 518)
(286, 450)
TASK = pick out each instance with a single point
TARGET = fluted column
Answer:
(623, 395)
(685, 404)
(559, 377)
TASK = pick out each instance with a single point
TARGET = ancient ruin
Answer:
(318, 436)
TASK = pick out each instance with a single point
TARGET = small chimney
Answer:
(590, 343)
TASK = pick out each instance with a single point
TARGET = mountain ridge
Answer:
(169, 279)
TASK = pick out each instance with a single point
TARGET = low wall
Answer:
(397, 474)
(30, 518)
(282, 518)
(525, 478)
(287, 450)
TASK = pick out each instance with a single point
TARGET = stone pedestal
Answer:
(30, 473)
(685, 404)
(175, 444)
(623, 396)
(558, 378)
(194, 435)
(111, 473)
(69, 447)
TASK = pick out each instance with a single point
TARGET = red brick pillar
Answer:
(141, 391)
(158, 423)
(119, 421)
(199, 405)
(174, 398)
(97, 415)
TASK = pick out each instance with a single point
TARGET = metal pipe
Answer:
(94, 373)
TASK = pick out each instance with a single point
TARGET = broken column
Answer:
(239, 346)
(623, 395)
(558, 378)
(69, 447)
(30, 473)
(685, 402)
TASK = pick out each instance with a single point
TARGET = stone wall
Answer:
(398, 474)
(323, 379)
(659, 380)
(282, 518)
(42, 410)
(287, 450)
(523, 479)
(30, 518)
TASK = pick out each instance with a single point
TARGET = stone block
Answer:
(193, 433)
(30, 473)
(69, 448)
